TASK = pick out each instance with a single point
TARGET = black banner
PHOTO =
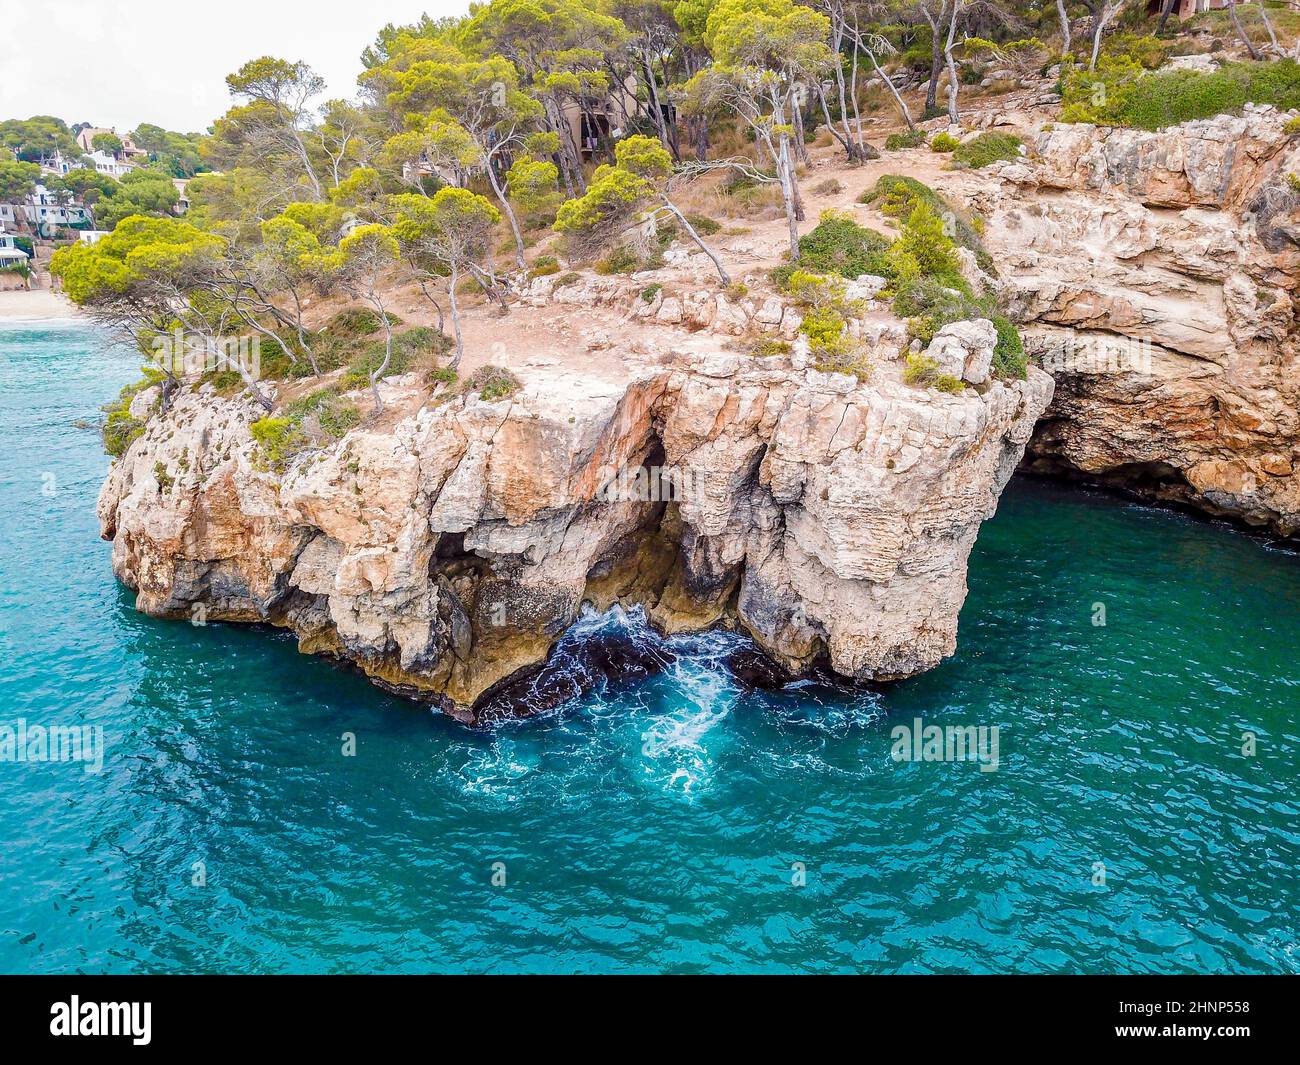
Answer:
(337, 1014)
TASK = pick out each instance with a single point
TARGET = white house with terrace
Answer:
(10, 253)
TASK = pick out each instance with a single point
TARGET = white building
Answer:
(130, 150)
(44, 207)
(9, 252)
(101, 162)
(60, 164)
(108, 164)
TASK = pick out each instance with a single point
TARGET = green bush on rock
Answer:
(278, 440)
(898, 196)
(120, 429)
(492, 383)
(987, 148)
(839, 245)
(912, 138)
(1121, 92)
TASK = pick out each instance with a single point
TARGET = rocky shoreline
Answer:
(1154, 274)
(446, 548)
(447, 551)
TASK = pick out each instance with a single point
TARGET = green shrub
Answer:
(823, 326)
(225, 382)
(912, 138)
(333, 414)
(740, 182)
(840, 245)
(285, 435)
(165, 480)
(943, 142)
(898, 196)
(567, 279)
(120, 430)
(619, 260)
(924, 249)
(767, 348)
(492, 382)
(929, 305)
(820, 290)
(337, 419)
(1121, 93)
(987, 148)
(825, 322)
(545, 265)
(278, 440)
(415, 348)
(649, 293)
(920, 369)
(923, 371)
(1147, 51)
(357, 322)
(703, 224)
(1009, 353)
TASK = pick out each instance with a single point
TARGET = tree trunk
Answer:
(379, 370)
(1065, 24)
(853, 94)
(302, 335)
(893, 91)
(510, 214)
(936, 56)
(850, 146)
(250, 382)
(1241, 30)
(783, 169)
(800, 147)
(305, 158)
(1268, 26)
(424, 287)
(952, 65)
(1101, 15)
(690, 232)
(455, 317)
(850, 149)
(1164, 14)
(660, 125)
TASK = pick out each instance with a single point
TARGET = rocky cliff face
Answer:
(1157, 273)
(445, 548)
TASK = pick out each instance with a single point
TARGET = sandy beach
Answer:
(39, 305)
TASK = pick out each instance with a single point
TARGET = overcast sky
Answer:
(123, 62)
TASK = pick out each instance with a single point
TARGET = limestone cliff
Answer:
(1156, 273)
(446, 547)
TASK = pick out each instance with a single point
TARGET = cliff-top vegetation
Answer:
(529, 137)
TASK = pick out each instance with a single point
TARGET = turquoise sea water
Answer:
(656, 826)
